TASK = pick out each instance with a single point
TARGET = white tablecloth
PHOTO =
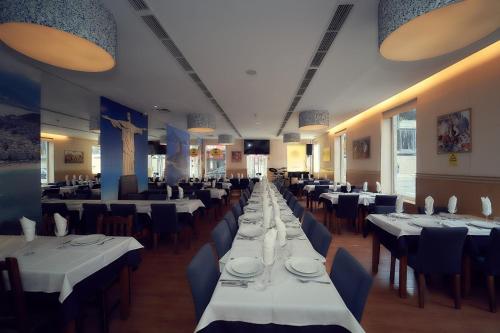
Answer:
(285, 302)
(404, 227)
(217, 193)
(51, 269)
(365, 199)
(68, 189)
(142, 206)
(310, 188)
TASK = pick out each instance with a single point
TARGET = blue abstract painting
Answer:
(177, 163)
(124, 147)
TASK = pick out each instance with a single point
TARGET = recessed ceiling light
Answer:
(155, 106)
(251, 72)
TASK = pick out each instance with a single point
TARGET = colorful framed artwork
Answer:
(236, 156)
(73, 157)
(454, 132)
(361, 148)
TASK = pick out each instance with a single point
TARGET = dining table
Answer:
(71, 269)
(400, 232)
(279, 301)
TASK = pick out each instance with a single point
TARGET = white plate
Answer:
(250, 231)
(231, 270)
(425, 223)
(252, 216)
(320, 269)
(293, 232)
(245, 265)
(88, 240)
(401, 215)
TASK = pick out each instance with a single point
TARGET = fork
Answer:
(316, 281)
(106, 240)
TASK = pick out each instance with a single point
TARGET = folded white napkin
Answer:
(181, 192)
(74, 177)
(268, 247)
(348, 186)
(399, 204)
(61, 225)
(365, 186)
(80, 177)
(302, 176)
(232, 175)
(281, 229)
(429, 205)
(334, 187)
(29, 228)
(452, 205)
(266, 212)
(169, 192)
(213, 183)
(379, 187)
(486, 203)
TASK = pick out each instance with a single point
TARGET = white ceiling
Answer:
(223, 38)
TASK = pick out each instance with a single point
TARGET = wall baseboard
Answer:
(460, 178)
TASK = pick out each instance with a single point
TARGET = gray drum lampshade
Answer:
(72, 34)
(226, 139)
(291, 138)
(313, 120)
(411, 30)
(200, 122)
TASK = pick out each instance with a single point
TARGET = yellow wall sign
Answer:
(453, 160)
(216, 153)
(193, 152)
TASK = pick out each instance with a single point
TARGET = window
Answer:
(194, 161)
(45, 164)
(296, 158)
(215, 161)
(343, 158)
(316, 159)
(256, 166)
(404, 131)
(156, 165)
(96, 160)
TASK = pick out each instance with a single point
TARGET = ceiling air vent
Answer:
(138, 4)
(195, 77)
(318, 59)
(310, 73)
(185, 64)
(169, 44)
(155, 26)
(327, 41)
(339, 17)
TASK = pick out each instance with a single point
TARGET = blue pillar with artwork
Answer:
(124, 147)
(177, 164)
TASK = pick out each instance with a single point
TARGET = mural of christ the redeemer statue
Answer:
(128, 132)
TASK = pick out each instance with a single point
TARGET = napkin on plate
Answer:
(281, 229)
(379, 187)
(29, 228)
(181, 192)
(268, 247)
(452, 205)
(348, 186)
(365, 187)
(399, 204)
(61, 225)
(429, 205)
(169, 192)
(486, 203)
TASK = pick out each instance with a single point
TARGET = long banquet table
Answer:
(52, 265)
(401, 232)
(286, 305)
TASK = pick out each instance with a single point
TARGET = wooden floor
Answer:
(161, 300)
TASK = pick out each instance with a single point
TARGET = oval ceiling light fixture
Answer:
(226, 139)
(200, 123)
(78, 35)
(313, 120)
(291, 137)
(410, 30)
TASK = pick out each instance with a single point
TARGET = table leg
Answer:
(124, 293)
(403, 266)
(375, 253)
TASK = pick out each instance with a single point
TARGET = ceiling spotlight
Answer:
(251, 72)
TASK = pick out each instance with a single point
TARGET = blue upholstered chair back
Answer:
(324, 182)
(164, 218)
(308, 224)
(347, 207)
(383, 209)
(221, 235)
(292, 202)
(123, 210)
(318, 190)
(385, 200)
(298, 210)
(202, 274)
(352, 282)
(242, 202)
(440, 250)
(51, 208)
(321, 239)
(236, 209)
(89, 217)
(204, 196)
(231, 223)
(493, 255)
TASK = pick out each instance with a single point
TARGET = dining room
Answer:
(249, 166)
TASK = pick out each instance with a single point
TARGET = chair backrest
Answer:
(440, 250)
(291, 203)
(385, 200)
(116, 226)
(52, 193)
(123, 210)
(10, 266)
(204, 196)
(298, 210)
(352, 281)
(383, 209)
(318, 190)
(92, 213)
(157, 196)
(236, 209)
(57, 207)
(324, 182)
(244, 183)
(321, 239)
(202, 274)
(231, 223)
(164, 218)
(221, 235)
(308, 224)
(127, 185)
(347, 206)
(493, 256)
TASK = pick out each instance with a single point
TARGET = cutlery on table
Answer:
(106, 240)
(315, 281)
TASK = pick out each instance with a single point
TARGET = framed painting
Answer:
(236, 156)
(361, 148)
(454, 132)
(73, 156)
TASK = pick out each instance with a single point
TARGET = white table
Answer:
(309, 188)
(51, 269)
(217, 193)
(64, 190)
(365, 198)
(285, 302)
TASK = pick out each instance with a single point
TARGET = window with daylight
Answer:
(257, 166)
(46, 161)
(404, 133)
(156, 166)
(215, 161)
(96, 159)
(316, 159)
(194, 161)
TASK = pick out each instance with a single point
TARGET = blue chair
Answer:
(314, 195)
(385, 200)
(203, 274)
(352, 281)
(231, 223)
(236, 209)
(298, 210)
(164, 219)
(383, 209)
(221, 235)
(439, 251)
(242, 202)
(308, 224)
(347, 208)
(92, 215)
(291, 203)
(489, 263)
(321, 239)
